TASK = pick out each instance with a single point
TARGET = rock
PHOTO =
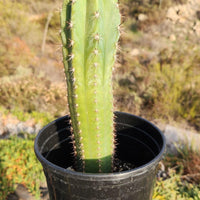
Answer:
(23, 193)
(20, 127)
(10, 126)
(181, 13)
(172, 37)
(172, 14)
(11, 129)
(38, 127)
(135, 52)
(178, 138)
(23, 128)
(142, 17)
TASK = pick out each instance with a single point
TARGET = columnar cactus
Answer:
(89, 31)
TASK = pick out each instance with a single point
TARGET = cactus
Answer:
(90, 32)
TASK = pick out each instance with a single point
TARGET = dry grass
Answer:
(34, 94)
(155, 77)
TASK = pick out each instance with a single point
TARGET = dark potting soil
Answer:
(120, 166)
(58, 157)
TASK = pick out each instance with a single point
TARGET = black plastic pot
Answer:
(139, 142)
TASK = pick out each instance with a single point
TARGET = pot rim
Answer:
(117, 175)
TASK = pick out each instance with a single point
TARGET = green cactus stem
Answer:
(89, 31)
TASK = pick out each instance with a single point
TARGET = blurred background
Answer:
(156, 76)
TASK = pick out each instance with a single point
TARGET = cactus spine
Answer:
(89, 32)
